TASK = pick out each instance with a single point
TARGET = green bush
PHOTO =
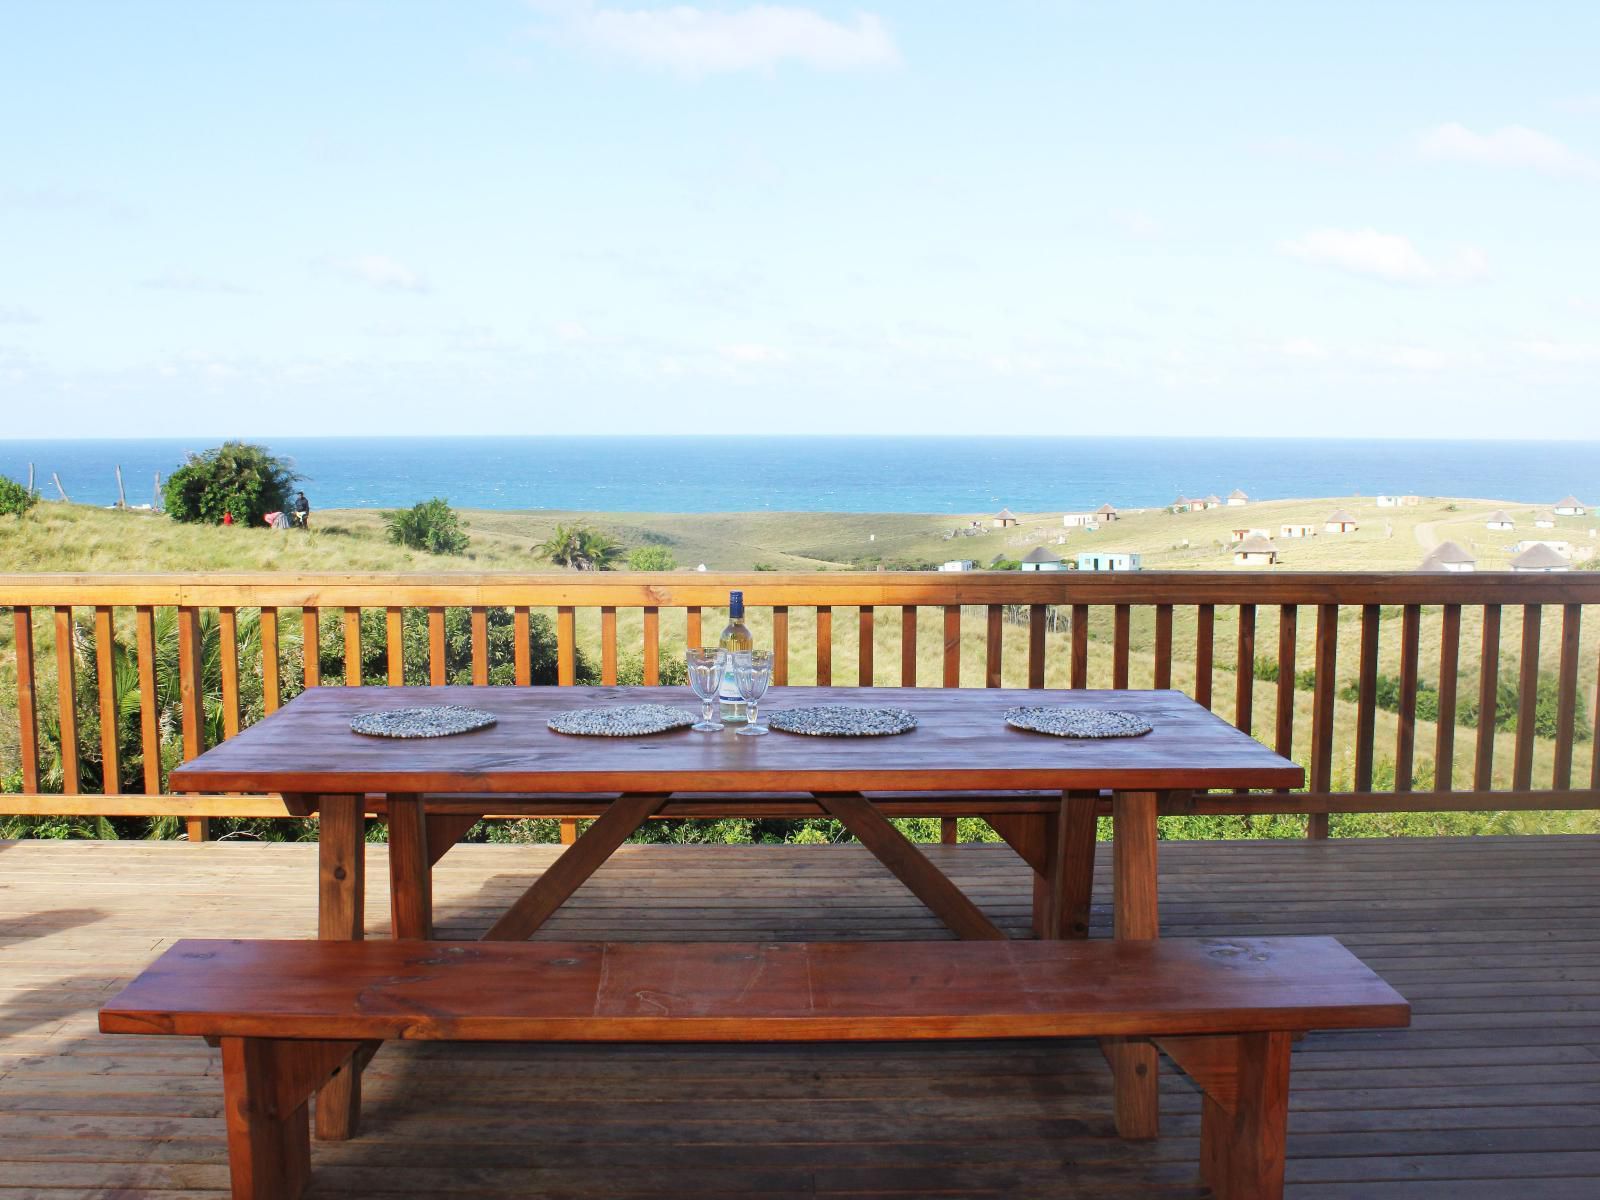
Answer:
(651, 558)
(581, 548)
(1546, 709)
(431, 525)
(14, 498)
(235, 477)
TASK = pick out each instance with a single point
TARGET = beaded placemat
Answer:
(439, 720)
(1077, 722)
(621, 720)
(842, 720)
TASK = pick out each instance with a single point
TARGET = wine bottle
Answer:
(735, 636)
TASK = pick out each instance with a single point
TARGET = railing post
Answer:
(192, 695)
(27, 703)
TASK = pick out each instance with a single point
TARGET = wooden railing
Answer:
(1060, 629)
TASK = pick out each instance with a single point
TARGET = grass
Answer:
(58, 537)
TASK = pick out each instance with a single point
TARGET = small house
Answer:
(1182, 504)
(1004, 519)
(1410, 501)
(1108, 560)
(1499, 521)
(1387, 501)
(1570, 508)
(1539, 557)
(958, 564)
(1448, 556)
(1255, 552)
(1562, 548)
(1544, 520)
(1077, 520)
(1340, 521)
(1245, 532)
(1236, 498)
(1297, 530)
(1042, 559)
(1212, 501)
(1106, 513)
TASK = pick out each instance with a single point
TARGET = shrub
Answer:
(235, 477)
(651, 558)
(581, 548)
(431, 525)
(14, 498)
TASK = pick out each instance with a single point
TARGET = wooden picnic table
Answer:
(962, 746)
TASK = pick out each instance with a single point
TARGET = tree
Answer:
(14, 498)
(431, 525)
(581, 548)
(235, 477)
(651, 558)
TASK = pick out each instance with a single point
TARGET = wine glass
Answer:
(705, 678)
(752, 672)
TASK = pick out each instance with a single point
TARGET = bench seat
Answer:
(289, 1014)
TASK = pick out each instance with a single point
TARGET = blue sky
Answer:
(611, 216)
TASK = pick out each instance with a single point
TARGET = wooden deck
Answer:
(1494, 1091)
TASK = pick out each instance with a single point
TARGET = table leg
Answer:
(341, 881)
(577, 862)
(410, 869)
(1135, 916)
(909, 865)
(1062, 892)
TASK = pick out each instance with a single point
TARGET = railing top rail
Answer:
(678, 589)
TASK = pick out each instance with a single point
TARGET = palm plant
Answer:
(580, 548)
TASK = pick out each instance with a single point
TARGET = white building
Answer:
(1499, 520)
(1539, 557)
(1544, 520)
(1448, 556)
(1562, 548)
(1297, 530)
(959, 564)
(1340, 522)
(1106, 513)
(1255, 552)
(1236, 498)
(1041, 559)
(1386, 501)
(1005, 518)
(1570, 508)
(1108, 560)
(1077, 520)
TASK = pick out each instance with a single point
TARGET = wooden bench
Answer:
(288, 1015)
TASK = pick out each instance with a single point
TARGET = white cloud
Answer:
(1560, 352)
(11, 314)
(1387, 256)
(1415, 358)
(183, 281)
(1580, 104)
(1137, 223)
(379, 271)
(1510, 146)
(1302, 347)
(753, 353)
(703, 41)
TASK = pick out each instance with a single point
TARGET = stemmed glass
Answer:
(705, 679)
(752, 672)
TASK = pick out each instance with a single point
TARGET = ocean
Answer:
(839, 474)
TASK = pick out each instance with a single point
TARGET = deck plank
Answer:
(1496, 1086)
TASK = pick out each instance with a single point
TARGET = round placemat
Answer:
(621, 720)
(1070, 722)
(842, 720)
(439, 720)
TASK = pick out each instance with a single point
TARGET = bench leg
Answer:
(341, 916)
(1135, 1086)
(1242, 1147)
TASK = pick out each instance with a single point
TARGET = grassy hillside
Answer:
(59, 537)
